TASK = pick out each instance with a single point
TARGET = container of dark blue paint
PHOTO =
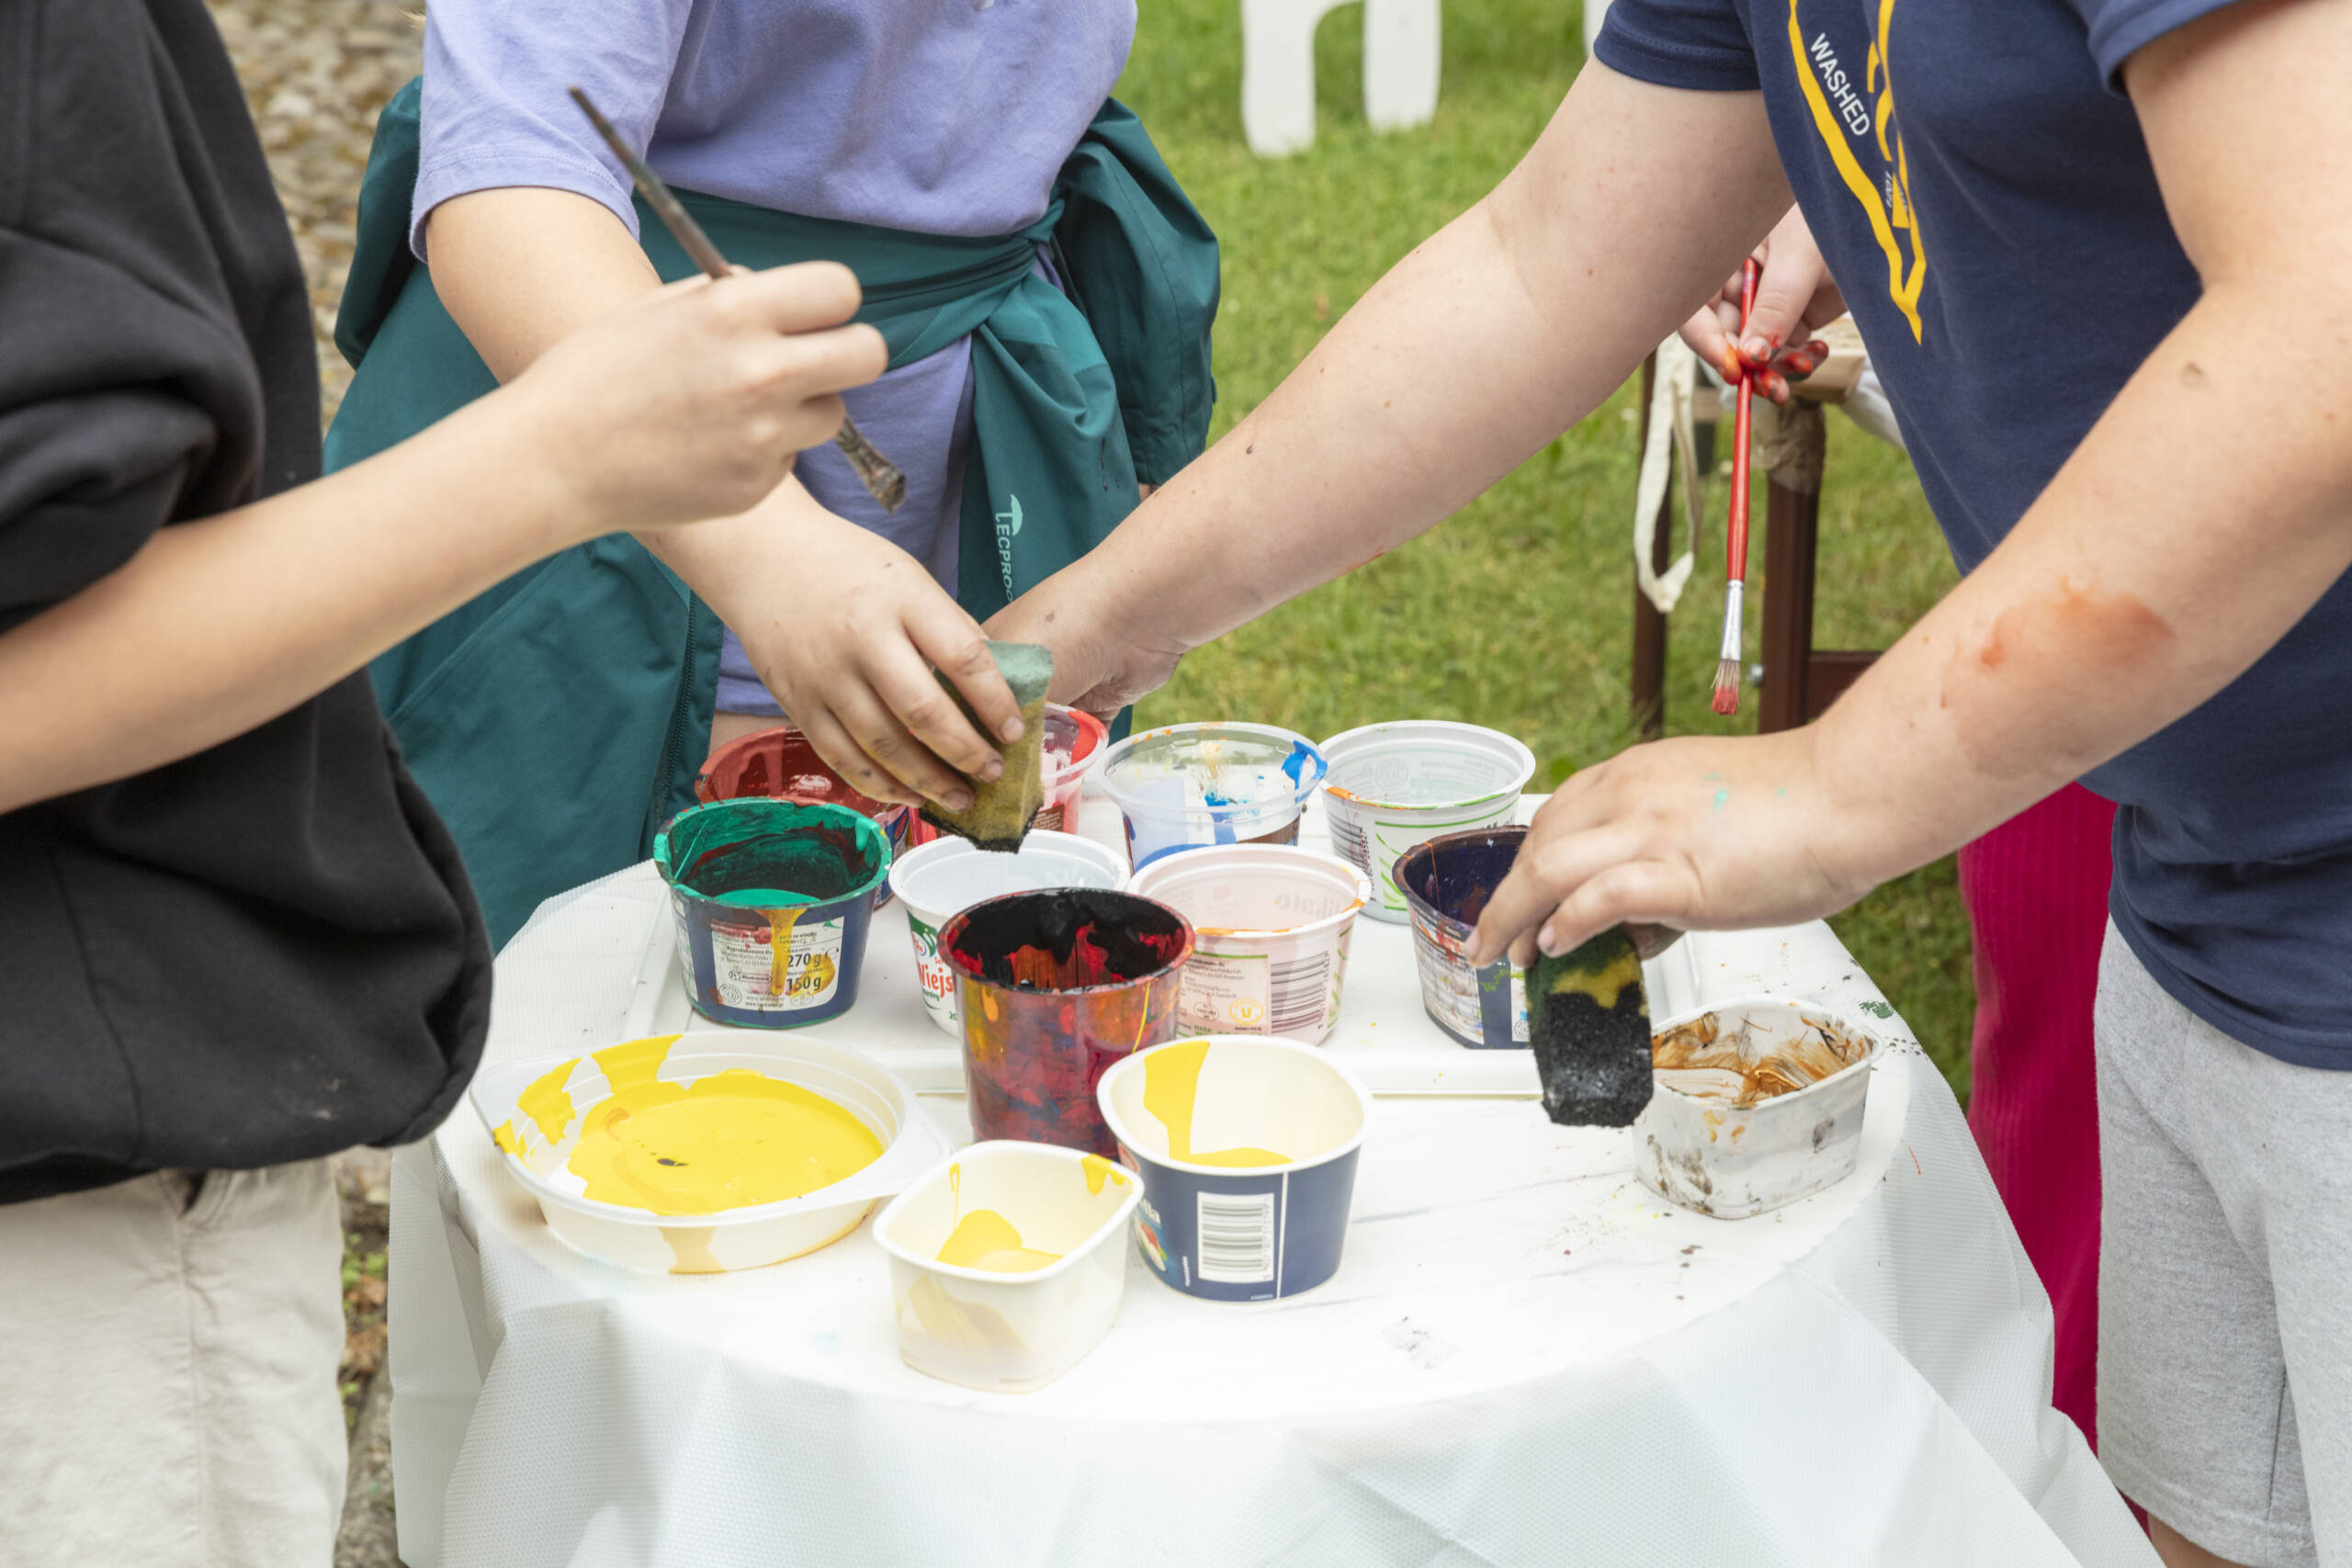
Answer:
(1247, 1146)
(773, 899)
(1446, 883)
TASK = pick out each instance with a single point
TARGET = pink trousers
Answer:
(2036, 891)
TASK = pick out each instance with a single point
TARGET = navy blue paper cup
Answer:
(1247, 1145)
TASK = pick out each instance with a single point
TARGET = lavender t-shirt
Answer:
(940, 117)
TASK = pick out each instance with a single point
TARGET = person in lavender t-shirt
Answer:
(940, 119)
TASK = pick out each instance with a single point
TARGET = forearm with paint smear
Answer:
(2205, 513)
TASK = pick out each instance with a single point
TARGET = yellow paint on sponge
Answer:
(729, 1141)
(1171, 1086)
(986, 1239)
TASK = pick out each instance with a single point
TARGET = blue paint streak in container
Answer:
(774, 901)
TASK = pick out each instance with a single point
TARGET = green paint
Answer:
(1880, 1010)
(1722, 795)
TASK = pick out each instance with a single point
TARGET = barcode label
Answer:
(1349, 841)
(1236, 1236)
(1301, 994)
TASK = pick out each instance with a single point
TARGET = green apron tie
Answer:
(557, 721)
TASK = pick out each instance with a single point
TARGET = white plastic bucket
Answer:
(731, 1238)
(1010, 1332)
(1391, 787)
(1190, 785)
(940, 880)
(1705, 1152)
(1272, 923)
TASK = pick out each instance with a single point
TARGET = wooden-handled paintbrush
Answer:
(1727, 695)
(880, 477)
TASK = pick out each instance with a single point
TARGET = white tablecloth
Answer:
(1525, 1358)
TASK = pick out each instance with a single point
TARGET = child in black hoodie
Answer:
(233, 937)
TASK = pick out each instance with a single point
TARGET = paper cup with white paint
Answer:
(1247, 1146)
(1391, 787)
(1760, 1103)
(942, 879)
(1007, 1264)
(1190, 785)
(542, 1111)
(1074, 738)
(1272, 923)
(1446, 883)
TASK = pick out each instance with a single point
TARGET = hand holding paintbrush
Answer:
(880, 477)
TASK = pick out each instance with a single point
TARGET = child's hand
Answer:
(692, 402)
(845, 628)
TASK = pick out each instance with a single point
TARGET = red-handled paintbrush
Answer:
(1726, 697)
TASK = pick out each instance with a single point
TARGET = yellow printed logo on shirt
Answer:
(1848, 113)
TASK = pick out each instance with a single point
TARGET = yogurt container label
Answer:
(1458, 995)
(933, 973)
(1255, 992)
(747, 972)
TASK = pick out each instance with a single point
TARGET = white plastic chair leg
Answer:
(1400, 68)
(1400, 62)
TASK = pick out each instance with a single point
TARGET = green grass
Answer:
(1517, 612)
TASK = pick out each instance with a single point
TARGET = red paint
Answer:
(1054, 988)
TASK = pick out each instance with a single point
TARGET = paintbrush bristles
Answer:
(1726, 695)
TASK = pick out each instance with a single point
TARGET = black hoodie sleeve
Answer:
(267, 951)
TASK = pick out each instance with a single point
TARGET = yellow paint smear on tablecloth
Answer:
(1172, 1083)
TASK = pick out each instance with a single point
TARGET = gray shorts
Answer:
(2225, 1280)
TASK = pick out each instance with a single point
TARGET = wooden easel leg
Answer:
(1792, 531)
(1649, 627)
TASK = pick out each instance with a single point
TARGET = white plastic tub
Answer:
(1391, 787)
(1272, 924)
(940, 880)
(1699, 1149)
(1190, 785)
(1010, 1332)
(633, 1238)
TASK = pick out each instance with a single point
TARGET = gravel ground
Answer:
(316, 72)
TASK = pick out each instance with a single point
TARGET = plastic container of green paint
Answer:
(774, 901)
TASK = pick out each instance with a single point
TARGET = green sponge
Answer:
(999, 814)
(1589, 1025)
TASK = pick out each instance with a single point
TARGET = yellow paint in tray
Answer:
(732, 1140)
(1171, 1084)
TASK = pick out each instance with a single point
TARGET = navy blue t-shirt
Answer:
(1985, 198)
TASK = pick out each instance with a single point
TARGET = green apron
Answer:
(557, 720)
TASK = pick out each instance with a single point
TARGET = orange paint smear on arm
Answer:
(2015, 696)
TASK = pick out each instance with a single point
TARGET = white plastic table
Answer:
(1525, 1358)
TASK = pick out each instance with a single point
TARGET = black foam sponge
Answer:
(1589, 1025)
